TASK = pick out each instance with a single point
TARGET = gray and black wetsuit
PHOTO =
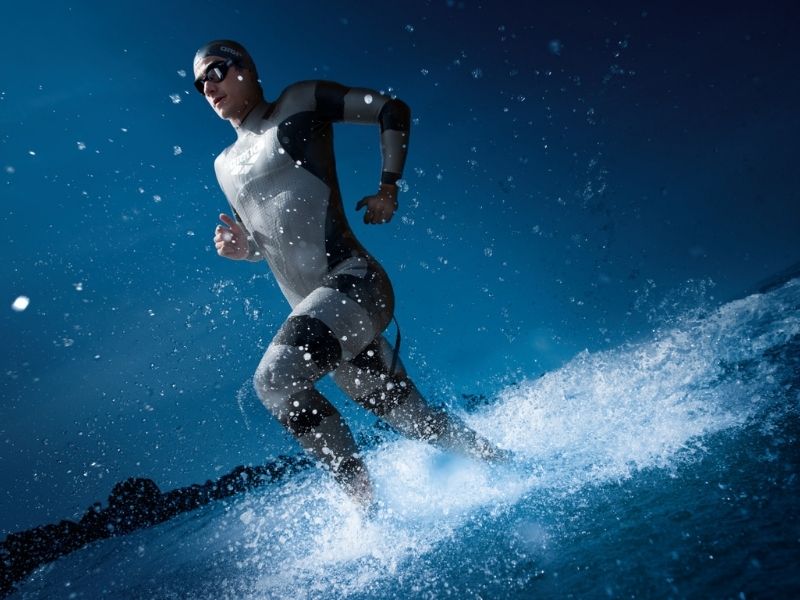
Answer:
(280, 180)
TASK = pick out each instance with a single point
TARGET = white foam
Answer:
(601, 418)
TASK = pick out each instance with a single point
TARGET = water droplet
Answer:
(21, 303)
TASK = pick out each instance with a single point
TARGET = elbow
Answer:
(395, 115)
(402, 109)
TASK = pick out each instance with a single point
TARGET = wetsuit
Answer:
(280, 180)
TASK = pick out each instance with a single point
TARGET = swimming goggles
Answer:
(215, 72)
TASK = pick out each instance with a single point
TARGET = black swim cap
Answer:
(227, 49)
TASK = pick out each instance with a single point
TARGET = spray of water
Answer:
(602, 418)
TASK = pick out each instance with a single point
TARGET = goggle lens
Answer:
(215, 72)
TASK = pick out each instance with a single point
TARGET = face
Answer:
(232, 97)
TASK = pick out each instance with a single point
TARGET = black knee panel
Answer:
(369, 359)
(391, 394)
(314, 337)
(300, 420)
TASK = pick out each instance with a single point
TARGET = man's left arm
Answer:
(337, 102)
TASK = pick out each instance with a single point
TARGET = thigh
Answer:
(354, 302)
(332, 324)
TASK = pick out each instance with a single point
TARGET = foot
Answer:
(355, 480)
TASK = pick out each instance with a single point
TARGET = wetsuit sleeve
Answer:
(253, 253)
(336, 102)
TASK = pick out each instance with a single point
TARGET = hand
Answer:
(231, 241)
(381, 206)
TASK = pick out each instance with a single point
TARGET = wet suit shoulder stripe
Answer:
(329, 97)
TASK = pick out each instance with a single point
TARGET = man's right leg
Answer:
(395, 398)
(303, 350)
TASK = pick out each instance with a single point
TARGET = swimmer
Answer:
(280, 180)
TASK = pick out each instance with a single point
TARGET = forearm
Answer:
(336, 102)
(395, 123)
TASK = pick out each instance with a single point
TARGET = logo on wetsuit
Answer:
(242, 163)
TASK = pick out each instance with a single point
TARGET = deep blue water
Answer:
(592, 194)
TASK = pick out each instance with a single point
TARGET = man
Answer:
(279, 177)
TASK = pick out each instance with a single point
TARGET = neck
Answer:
(249, 116)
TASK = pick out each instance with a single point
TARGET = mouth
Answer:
(218, 101)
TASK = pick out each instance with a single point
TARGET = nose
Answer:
(209, 87)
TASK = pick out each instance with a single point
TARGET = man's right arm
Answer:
(253, 253)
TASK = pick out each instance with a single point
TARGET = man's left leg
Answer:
(394, 398)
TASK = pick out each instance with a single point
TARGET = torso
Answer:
(280, 177)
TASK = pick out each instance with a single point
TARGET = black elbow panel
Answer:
(395, 115)
(329, 97)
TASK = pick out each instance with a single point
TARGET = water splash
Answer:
(603, 418)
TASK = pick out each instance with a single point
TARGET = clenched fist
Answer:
(380, 206)
(231, 241)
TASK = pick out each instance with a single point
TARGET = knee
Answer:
(266, 392)
(390, 394)
(278, 377)
(294, 403)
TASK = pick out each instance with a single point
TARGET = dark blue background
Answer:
(576, 174)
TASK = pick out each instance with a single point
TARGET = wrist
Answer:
(388, 191)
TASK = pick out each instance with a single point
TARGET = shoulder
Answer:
(309, 93)
(306, 85)
(299, 94)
